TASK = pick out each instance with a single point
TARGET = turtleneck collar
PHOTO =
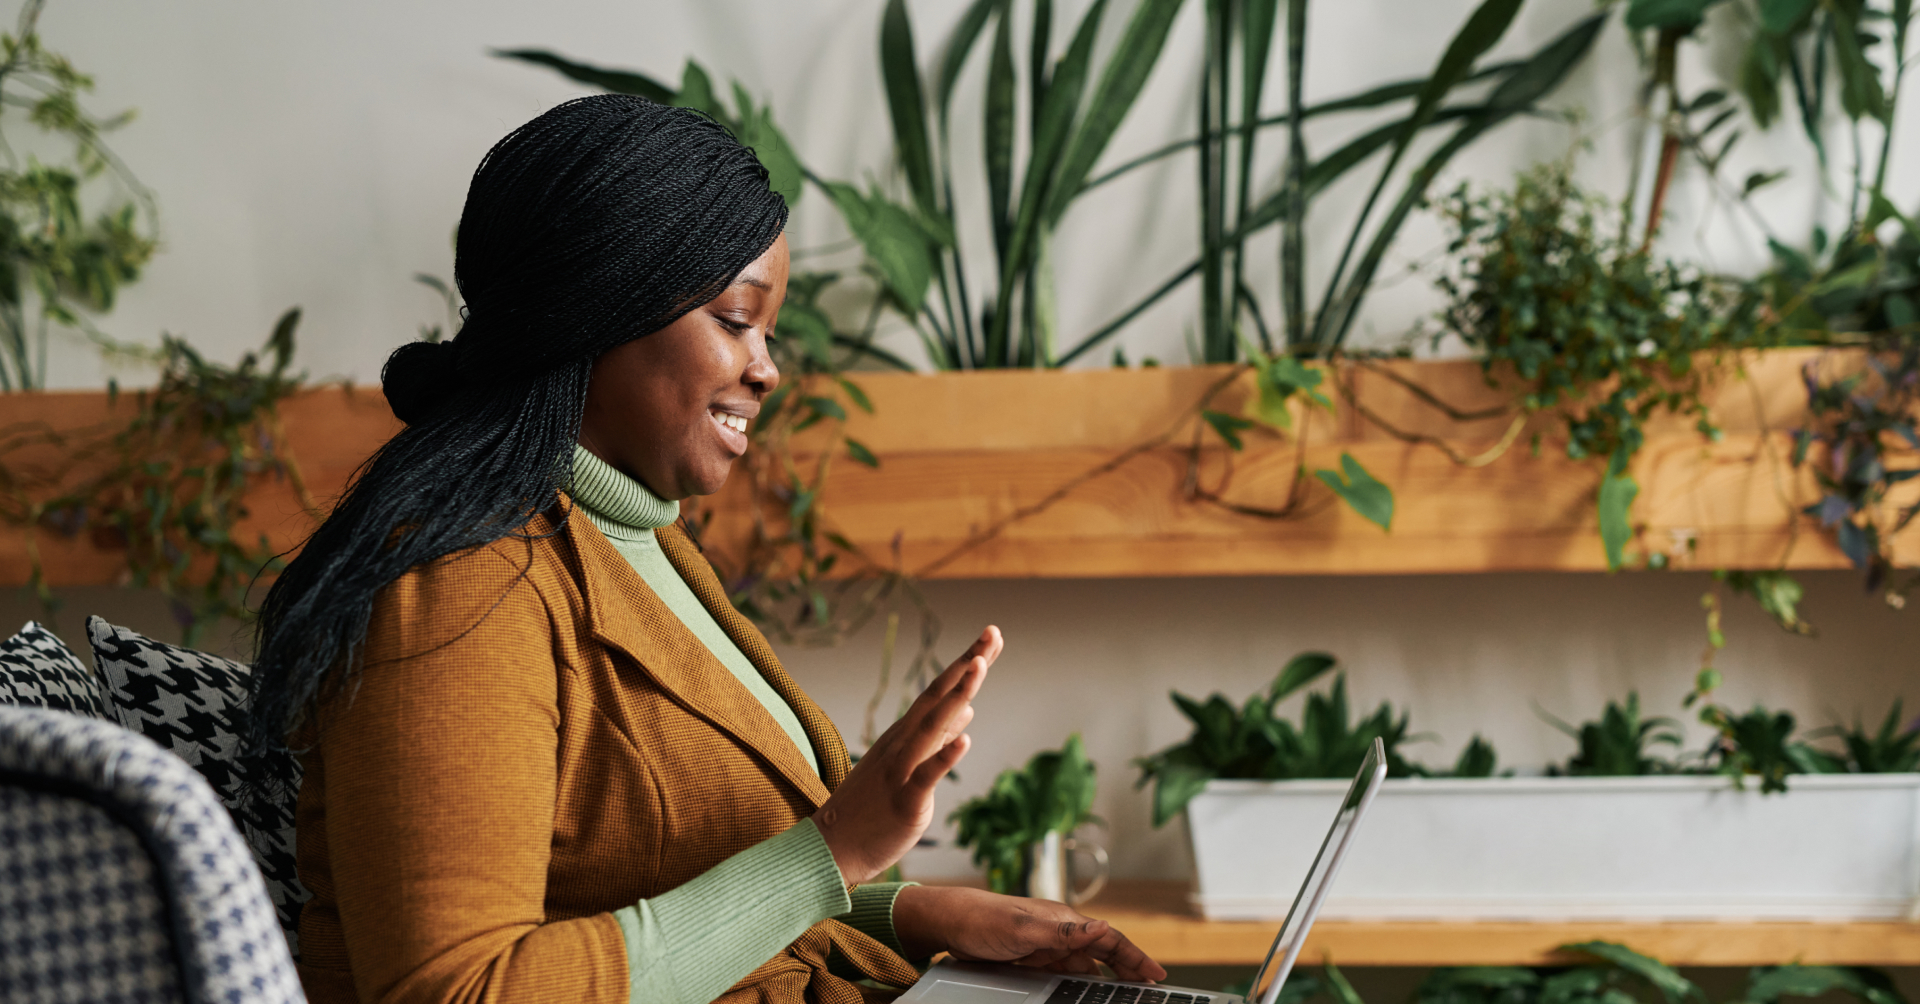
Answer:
(616, 502)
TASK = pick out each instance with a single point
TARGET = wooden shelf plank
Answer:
(1155, 916)
(961, 451)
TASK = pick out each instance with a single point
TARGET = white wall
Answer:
(317, 154)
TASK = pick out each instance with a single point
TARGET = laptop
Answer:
(953, 982)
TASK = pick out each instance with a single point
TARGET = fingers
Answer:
(1099, 941)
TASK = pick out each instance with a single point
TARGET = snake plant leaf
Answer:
(617, 81)
(891, 237)
(1338, 988)
(1300, 671)
(997, 122)
(1055, 120)
(1517, 93)
(1617, 491)
(1668, 981)
(1125, 74)
(959, 46)
(900, 71)
(1684, 15)
(1361, 490)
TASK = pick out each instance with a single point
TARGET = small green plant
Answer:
(1758, 743)
(1478, 759)
(1595, 326)
(59, 261)
(1619, 744)
(1053, 794)
(1252, 742)
(1893, 749)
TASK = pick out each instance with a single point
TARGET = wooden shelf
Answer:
(1156, 917)
(962, 451)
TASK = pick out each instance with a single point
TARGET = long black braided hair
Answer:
(603, 220)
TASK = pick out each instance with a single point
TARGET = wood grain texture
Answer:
(1155, 916)
(963, 452)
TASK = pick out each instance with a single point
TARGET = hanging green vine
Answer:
(167, 487)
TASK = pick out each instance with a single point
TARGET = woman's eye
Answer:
(733, 325)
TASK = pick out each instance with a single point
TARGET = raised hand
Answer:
(886, 801)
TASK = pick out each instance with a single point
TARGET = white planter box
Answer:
(1632, 848)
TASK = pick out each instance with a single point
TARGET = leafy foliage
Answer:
(1619, 975)
(1595, 326)
(1759, 743)
(1251, 741)
(168, 486)
(1053, 794)
(1620, 743)
(1893, 749)
(59, 260)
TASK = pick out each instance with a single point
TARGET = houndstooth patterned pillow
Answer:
(222, 931)
(191, 703)
(37, 670)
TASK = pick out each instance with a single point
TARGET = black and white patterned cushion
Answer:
(37, 670)
(191, 704)
(82, 900)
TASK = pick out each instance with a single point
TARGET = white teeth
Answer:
(735, 422)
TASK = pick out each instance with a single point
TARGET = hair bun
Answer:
(418, 378)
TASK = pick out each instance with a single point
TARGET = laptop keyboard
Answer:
(1083, 992)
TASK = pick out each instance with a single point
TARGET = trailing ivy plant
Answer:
(1251, 741)
(168, 486)
(66, 247)
(1053, 794)
(1595, 328)
(1619, 744)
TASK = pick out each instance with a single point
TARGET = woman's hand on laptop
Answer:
(980, 926)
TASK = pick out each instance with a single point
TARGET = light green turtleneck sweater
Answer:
(688, 945)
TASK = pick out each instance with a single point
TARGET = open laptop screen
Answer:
(1306, 905)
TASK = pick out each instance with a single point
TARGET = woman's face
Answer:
(671, 409)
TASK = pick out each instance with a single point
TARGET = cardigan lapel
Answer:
(693, 566)
(626, 614)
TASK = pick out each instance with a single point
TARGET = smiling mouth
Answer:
(737, 423)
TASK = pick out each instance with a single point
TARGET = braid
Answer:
(603, 220)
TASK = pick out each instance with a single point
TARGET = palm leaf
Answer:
(1126, 73)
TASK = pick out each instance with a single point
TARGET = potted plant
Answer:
(1030, 813)
(1655, 838)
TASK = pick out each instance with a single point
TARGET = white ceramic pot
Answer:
(1632, 848)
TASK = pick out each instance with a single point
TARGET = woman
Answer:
(545, 759)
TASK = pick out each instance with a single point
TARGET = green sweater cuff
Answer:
(872, 913)
(690, 944)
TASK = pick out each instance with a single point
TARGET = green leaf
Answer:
(1174, 786)
(1361, 490)
(1120, 83)
(959, 44)
(1781, 17)
(856, 395)
(617, 81)
(859, 452)
(1861, 95)
(826, 406)
(807, 323)
(1760, 70)
(1617, 491)
(1299, 671)
(997, 125)
(696, 92)
(1673, 986)
(1758, 180)
(891, 237)
(1228, 426)
(280, 343)
(771, 148)
(900, 71)
(1662, 14)
(1765, 986)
